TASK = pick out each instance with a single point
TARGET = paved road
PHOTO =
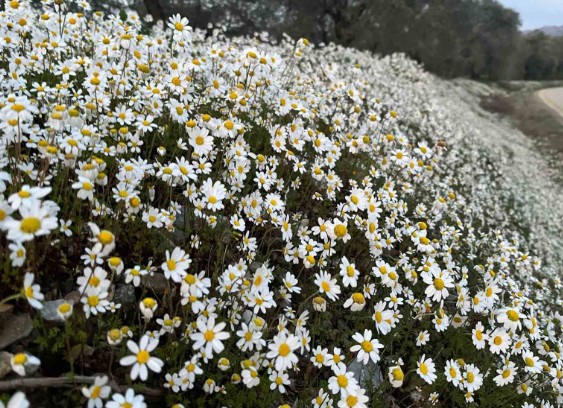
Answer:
(553, 97)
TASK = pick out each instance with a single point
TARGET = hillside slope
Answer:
(197, 220)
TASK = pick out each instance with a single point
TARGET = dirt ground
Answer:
(533, 118)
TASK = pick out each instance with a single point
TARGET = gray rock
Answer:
(5, 366)
(247, 316)
(73, 297)
(124, 294)
(49, 311)
(14, 328)
(156, 282)
(368, 376)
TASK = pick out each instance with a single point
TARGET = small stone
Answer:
(49, 311)
(6, 307)
(368, 375)
(73, 296)
(5, 366)
(14, 328)
(124, 294)
(247, 316)
(156, 282)
(304, 223)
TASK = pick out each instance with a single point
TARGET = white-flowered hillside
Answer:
(194, 220)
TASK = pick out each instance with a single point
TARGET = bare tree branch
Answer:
(56, 382)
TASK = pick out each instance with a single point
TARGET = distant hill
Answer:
(553, 31)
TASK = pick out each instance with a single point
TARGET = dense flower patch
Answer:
(229, 222)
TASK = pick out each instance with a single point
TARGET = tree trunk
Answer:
(155, 9)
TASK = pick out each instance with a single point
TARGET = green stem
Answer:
(13, 297)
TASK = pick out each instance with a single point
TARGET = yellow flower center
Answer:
(340, 230)
(20, 359)
(94, 281)
(149, 302)
(114, 334)
(318, 300)
(114, 261)
(351, 401)
(209, 335)
(439, 283)
(96, 391)
(512, 315)
(497, 340)
(367, 346)
(358, 298)
(29, 292)
(342, 381)
(93, 300)
(105, 237)
(424, 369)
(284, 349)
(171, 264)
(64, 308)
(470, 377)
(143, 356)
(398, 374)
(30, 225)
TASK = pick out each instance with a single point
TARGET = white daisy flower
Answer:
(141, 360)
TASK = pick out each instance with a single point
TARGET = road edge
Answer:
(541, 95)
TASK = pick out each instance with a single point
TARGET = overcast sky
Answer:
(537, 13)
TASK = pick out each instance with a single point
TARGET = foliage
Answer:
(479, 39)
